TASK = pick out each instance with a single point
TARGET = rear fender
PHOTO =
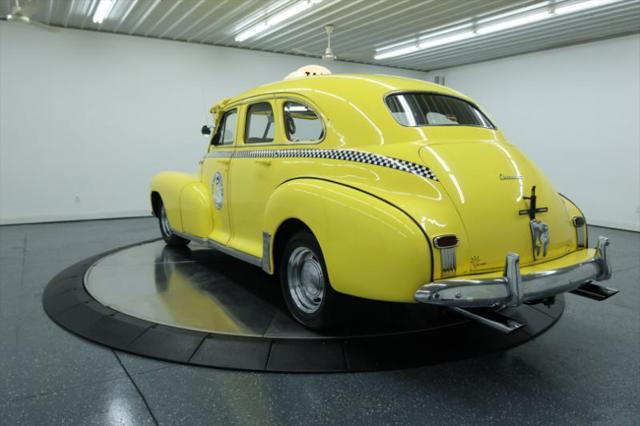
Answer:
(371, 248)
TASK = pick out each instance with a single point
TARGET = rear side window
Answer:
(227, 128)
(428, 109)
(301, 123)
(260, 126)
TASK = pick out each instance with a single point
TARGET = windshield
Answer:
(429, 109)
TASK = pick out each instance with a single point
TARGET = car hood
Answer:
(487, 182)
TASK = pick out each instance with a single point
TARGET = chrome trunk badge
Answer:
(539, 237)
(539, 229)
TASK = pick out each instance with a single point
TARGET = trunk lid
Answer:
(488, 181)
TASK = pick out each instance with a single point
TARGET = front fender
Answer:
(169, 186)
(371, 248)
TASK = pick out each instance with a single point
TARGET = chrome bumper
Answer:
(513, 289)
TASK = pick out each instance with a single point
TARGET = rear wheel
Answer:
(305, 284)
(167, 234)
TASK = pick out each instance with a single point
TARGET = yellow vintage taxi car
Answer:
(383, 188)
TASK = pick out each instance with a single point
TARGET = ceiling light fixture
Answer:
(579, 6)
(285, 14)
(517, 18)
(102, 11)
(513, 22)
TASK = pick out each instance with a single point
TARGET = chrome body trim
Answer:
(580, 225)
(266, 251)
(256, 261)
(448, 261)
(513, 289)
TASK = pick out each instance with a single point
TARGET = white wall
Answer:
(576, 112)
(87, 118)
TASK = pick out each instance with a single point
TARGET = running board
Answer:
(490, 318)
(594, 291)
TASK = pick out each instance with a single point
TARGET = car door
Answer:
(253, 174)
(271, 127)
(215, 173)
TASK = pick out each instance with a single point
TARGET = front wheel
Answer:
(167, 234)
(305, 284)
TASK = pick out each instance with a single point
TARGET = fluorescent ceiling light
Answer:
(519, 11)
(513, 22)
(425, 43)
(578, 6)
(396, 52)
(489, 25)
(102, 11)
(446, 40)
(285, 14)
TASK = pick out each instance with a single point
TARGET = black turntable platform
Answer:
(199, 306)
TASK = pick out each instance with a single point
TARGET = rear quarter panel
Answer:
(371, 248)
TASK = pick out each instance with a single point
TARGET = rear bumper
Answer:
(515, 287)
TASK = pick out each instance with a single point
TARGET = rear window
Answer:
(428, 109)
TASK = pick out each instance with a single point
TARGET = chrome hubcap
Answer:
(164, 223)
(305, 280)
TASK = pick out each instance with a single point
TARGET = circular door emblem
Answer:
(218, 190)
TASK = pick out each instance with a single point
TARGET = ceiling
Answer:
(361, 26)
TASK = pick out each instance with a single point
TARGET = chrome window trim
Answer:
(429, 92)
(247, 122)
(310, 142)
(221, 128)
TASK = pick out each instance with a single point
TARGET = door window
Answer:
(227, 128)
(301, 123)
(260, 126)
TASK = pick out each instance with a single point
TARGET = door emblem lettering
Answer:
(218, 190)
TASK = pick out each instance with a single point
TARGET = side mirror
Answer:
(205, 130)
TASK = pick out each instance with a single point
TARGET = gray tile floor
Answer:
(586, 369)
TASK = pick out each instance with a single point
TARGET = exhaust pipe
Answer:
(490, 318)
(594, 291)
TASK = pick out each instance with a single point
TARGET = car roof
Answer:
(355, 87)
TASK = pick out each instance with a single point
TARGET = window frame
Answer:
(426, 92)
(222, 126)
(284, 123)
(247, 122)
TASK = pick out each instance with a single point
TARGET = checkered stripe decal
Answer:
(338, 154)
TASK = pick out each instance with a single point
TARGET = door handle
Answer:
(223, 160)
(265, 162)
